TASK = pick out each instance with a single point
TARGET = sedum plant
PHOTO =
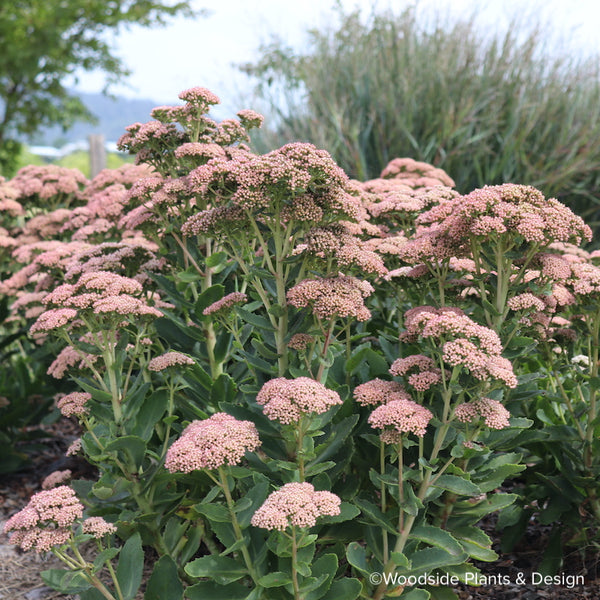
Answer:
(279, 397)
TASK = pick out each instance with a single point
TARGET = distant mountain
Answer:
(113, 116)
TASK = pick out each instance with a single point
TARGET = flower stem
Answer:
(236, 526)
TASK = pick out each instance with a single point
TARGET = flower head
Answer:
(74, 404)
(169, 359)
(46, 521)
(56, 478)
(492, 411)
(295, 504)
(287, 400)
(378, 391)
(398, 417)
(212, 443)
(332, 296)
(97, 527)
(225, 304)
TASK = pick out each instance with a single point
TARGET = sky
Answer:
(204, 51)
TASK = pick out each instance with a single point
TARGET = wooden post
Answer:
(97, 154)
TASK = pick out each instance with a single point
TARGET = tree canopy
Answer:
(43, 43)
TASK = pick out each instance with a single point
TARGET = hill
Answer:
(113, 115)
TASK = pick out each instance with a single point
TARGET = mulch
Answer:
(512, 577)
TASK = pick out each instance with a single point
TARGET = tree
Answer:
(42, 43)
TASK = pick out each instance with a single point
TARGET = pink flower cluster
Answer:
(300, 341)
(169, 359)
(288, 400)
(225, 304)
(378, 391)
(416, 174)
(400, 416)
(212, 443)
(97, 527)
(492, 411)
(46, 521)
(295, 505)
(419, 371)
(463, 342)
(74, 404)
(56, 478)
(507, 209)
(331, 297)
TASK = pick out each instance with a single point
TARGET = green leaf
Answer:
(164, 583)
(131, 446)
(276, 579)
(220, 568)
(257, 495)
(324, 567)
(149, 414)
(484, 507)
(356, 555)
(104, 557)
(65, 581)
(400, 560)
(456, 485)
(130, 567)
(343, 589)
(424, 561)
(223, 389)
(434, 536)
(214, 512)
(255, 320)
(475, 542)
(208, 590)
(216, 259)
(374, 515)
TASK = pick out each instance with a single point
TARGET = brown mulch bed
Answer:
(20, 571)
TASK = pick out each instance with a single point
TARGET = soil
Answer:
(512, 577)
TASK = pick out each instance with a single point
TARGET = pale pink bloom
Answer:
(300, 341)
(525, 301)
(400, 416)
(225, 304)
(586, 278)
(53, 319)
(97, 527)
(295, 505)
(492, 411)
(250, 118)
(288, 400)
(424, 380)
(46, 521)
(74, 448)
(555, 266)
(169, 359)
(74, 404)
(124, 305)
(56, 478)
(212, 443)
(69, 357)
(378, 391)
(199, 96)
(408, 169)
(401, 366)
(332, 297)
